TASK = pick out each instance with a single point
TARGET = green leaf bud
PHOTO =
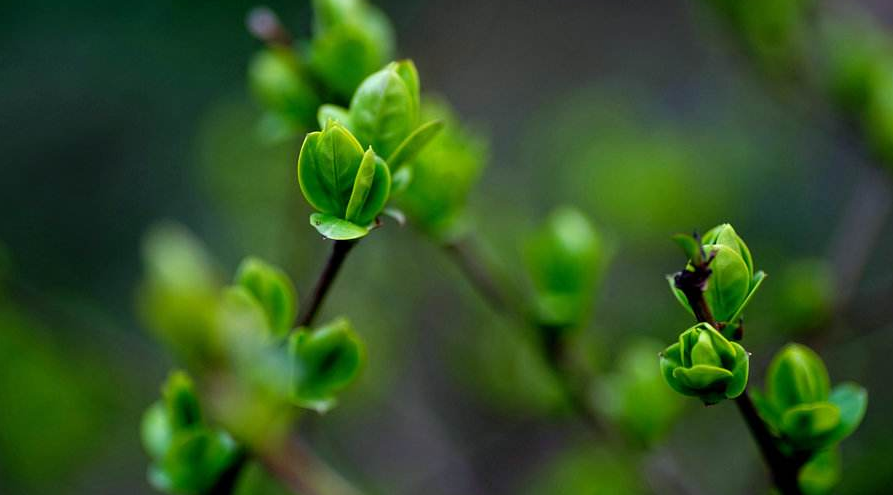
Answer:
(384, 113)
(443, 173)
(179, 295)
(563, 259)
(341, 181)
(324, 362)
(351, 39)
(705, 364)
(732, 281)
(272, 289)
(279, 83)
(187, 456)
(800, 404)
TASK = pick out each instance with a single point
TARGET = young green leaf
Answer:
(272, 289)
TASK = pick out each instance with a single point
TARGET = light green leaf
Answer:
(740, 372)
(324, 362)
(329, 112)
(414, 143)
(852, 400)
(272, 289)
(382, 111)
(336, 228)
(807, 425)
(361, 186)
(729, 283)
(702, 376)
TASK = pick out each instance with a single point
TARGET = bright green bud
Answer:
(273, 290)
(732, 282)
(800, 404)
(351, 39)
(563, 260)
(348, 187)
(384, 114)
(278, 82)
(324, 362)
(443, 174)
(705, 364)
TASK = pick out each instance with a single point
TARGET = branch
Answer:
(324, 283)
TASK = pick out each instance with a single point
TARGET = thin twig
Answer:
(304, 473)
(324, 283)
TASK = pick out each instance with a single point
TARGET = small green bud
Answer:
(563, 260)
(179, 295)
(443, 174)
(273, 290)
(324, 362)
(705, 364)
(351, 39)
(348, 187)
(800, 404)
(732, 281)
(187, 456)
(278, 82)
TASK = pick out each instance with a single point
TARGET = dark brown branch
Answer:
(324, 283)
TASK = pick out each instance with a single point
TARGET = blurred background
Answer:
(643, 114)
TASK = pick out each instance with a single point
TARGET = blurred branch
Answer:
(552, 345)
(304, 473)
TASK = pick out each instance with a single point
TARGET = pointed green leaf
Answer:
(740, 371)
(414, 143)
(378, 194)
(690, 246)
(755, 284)
(729, 282)
(361, 186)
(381, 111)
